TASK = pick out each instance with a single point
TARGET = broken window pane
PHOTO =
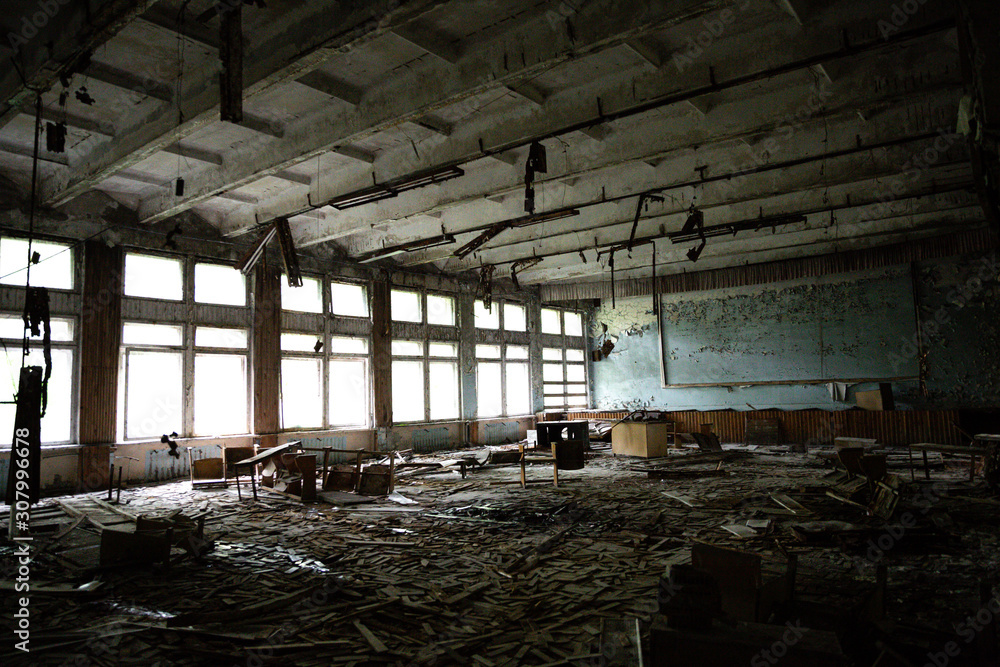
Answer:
(440, 310)
(487, 351)
(234, 339)
(444, 389)
(58, 415)
(348, 299)
(405, 306)
(137, 333)
(489, 389)
(514, 317)
(486, 319)
(305, 299)
(348, 392)
(574, 355)
(551, 323)
(407, 348)
(295, 342)
(574, 324)
(154, 277)
(518, 389)
(54, 268)
(345, 345)
(552, 354)
(407, 391)
(215, 283)
(153, 382)
(301, 391)
(220, 395)
(443, 350)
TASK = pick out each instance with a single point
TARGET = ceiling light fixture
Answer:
(495, 229)
(422, 244)
(392, 188)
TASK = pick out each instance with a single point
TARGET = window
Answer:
(573, 323)
(551, 321)
(503, 380)
(220, 382)
(301, 381)
(154, 277)
(305, 299)
(564, 377)
(348, 299)
(514, 318)
(405, 306)
(215, 283)
(440, 310)
(424, 381)
(54, 268)
(486, 319)
(151, 381)
(407, 381)
(58, 420)
(349, 393)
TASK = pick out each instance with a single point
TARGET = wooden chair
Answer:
(539, 459)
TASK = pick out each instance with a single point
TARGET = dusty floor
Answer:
(431, 583)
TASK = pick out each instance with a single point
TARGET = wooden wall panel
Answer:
(267, 353)
(100, 341)
(818, 427)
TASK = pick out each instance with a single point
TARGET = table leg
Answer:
(927, 466)
(524, 482)
(253, 483)
(239, 492)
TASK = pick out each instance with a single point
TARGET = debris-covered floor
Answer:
(478, 571)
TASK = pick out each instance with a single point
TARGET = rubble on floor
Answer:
(475, 570)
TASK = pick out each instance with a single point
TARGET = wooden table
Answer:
(954, 450)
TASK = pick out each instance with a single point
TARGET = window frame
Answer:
(564, 342)
(222, 351)
(14, 345)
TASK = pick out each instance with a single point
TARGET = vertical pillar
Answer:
(382, 354)
(100, 343)
(267, 353)
(467, 354)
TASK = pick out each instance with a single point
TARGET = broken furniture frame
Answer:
(539, 459)
(251, 463)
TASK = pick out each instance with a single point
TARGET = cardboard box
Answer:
(645, 439)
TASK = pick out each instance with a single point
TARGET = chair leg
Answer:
(523, 480)
(555, 466)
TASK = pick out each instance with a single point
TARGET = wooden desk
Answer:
(954, 450)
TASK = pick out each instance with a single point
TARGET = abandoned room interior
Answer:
(533, 332)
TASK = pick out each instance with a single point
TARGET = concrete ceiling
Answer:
(840, 114)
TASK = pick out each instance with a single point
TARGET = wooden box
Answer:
(645, 439)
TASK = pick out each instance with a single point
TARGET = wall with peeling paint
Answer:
(958, 354)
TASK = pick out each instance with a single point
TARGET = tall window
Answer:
(425, 371)
(301, 380)
(58, 420)
(503, 381)
(150, 395)
(349, 393)
(564, 368)
(53, 270)
(220, 381)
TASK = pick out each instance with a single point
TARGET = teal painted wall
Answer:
(957, 300)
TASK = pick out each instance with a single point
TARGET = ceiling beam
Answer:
(355, 153)
(572, 112)
(299, 42)
(163, 17)
(193, 153)
(60, 47)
